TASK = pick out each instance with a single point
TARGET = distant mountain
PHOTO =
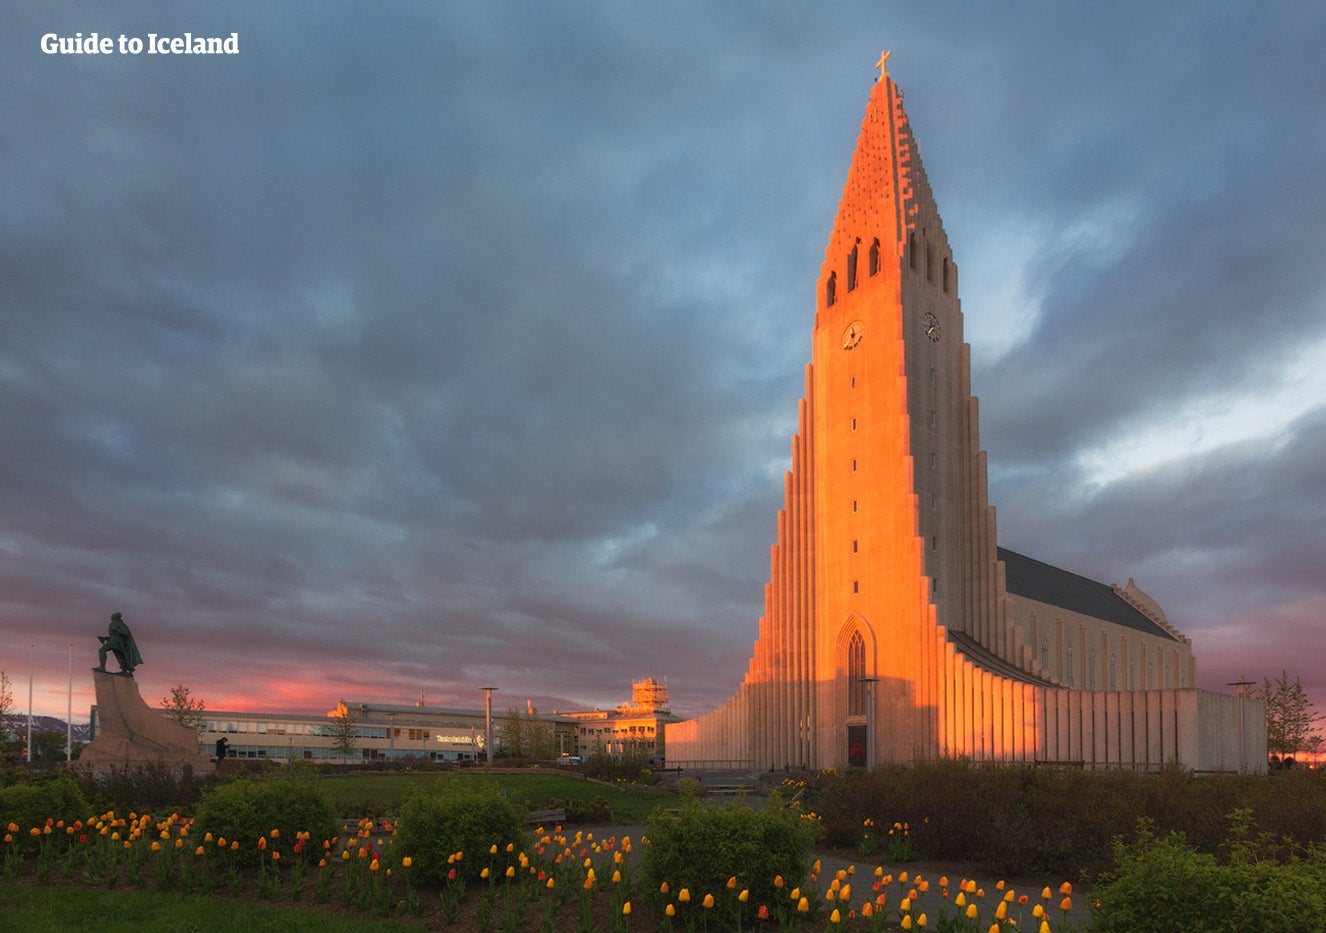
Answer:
(19, 724)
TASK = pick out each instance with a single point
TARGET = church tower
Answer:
(889, 631)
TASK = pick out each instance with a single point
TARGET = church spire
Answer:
(875, 206)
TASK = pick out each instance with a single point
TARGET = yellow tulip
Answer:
(708, 901)
(1066, 888)
(744, 896)
(663, 888)
(1002, 910)
(511, 871)
(835, 917)
(626, 909)
(670, 911)
(684, 895)
(906, 921)
(803, 906)
(920, 921)
(867, 910)
(960, 900)
(484, 873)
(1038, 911)
(1066, 904)
(1045, 927)
(732, 882)
(972, 912)
(1046, 893)
(407, 862)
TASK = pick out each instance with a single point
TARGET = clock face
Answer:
(852, 336)
(930, 324)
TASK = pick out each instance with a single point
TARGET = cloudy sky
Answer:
(432, 346)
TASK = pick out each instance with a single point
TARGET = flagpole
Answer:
(69, 712)
(30, 647)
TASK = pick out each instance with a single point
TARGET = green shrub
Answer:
(244, 811)
(700, 848)
(1164, 884)
(52, 797)
(468, 816)
(153, 788)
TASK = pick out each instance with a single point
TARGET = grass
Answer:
(382, 794)
(26, 907)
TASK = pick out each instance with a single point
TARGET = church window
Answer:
(934, 502)
(855, 546)
(830, 290)
(1068, 665)
(856, 586)
(1091, 669)
(933, 460)
(931, 270)
(934, 544)
(911, 251)
(1114, 672)
(1132, 673)
(851, 269)
(853, 466)
(948, 276)
(932, 375)
(1045, 652)
(874, 256)
(1149, 674)
(853, 382)
(856, 674)
(853, 505)
(853, 424)
(934, 584)
(933, 418)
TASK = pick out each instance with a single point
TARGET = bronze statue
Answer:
(120, 642)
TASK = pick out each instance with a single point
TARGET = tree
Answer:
(1290, 718)
(344, 729)
(51, 745)
(6, 714)
(540, 740)
(513, 735)
(182, 708)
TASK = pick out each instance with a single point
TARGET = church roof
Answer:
(1033, 579)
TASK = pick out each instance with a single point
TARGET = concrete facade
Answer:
(894, 627)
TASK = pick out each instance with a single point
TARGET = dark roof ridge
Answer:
(1035, 579)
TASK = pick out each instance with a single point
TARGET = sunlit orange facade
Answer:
(891, 630)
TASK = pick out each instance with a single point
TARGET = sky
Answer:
(420, 347)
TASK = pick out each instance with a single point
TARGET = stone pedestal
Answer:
(130, 733)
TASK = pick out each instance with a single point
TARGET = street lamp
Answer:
(1243, 686)
(870, 719)
(488, 721)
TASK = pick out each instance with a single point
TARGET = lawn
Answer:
(28, 907)
(357, 795)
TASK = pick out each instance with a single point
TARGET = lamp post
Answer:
(870, 720)
(1243, 686)
(488, 721)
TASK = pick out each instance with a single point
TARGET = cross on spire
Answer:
(882, 64)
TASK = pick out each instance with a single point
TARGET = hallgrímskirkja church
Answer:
(895, 628)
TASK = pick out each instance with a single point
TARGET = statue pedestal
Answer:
(130, 733)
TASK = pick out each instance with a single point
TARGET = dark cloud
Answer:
(461, 344)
